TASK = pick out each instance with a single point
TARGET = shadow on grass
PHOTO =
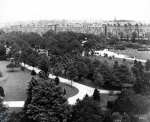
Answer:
(13, 71)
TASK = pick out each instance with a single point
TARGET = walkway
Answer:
(109, 53)
(83, 90)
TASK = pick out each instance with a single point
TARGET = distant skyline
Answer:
(26, 10)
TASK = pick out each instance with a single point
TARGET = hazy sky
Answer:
(22, 10)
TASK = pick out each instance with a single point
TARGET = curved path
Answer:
(83, 90)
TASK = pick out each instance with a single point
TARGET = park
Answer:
(111, 80)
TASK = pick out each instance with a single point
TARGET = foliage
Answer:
(33, 60)
(14, 48)
(4, 112)
(33, 72)
(2, 52)
(57, 80)
(2, 91)
(121, 75)
(31, 84)
(12, 66)
(1, 74)
(72, 73)
(43, 65)
(125, 118)
(16, 57)
(131, 103)
(86, 110)
(82, 69)
(96, 95)
(22, 68)
(98, 79)
(49, 101)
(147, 65)
(64, 91)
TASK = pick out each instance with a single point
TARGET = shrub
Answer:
(1, 74)
(64, 91)
(96, 95)
(110, 57)
(22, 68)
(57, 80)
(33, 72)
(1, 91)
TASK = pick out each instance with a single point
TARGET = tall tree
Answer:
(4, 112)
(72, 73)
(44, 65)
(50, 102)
(147, 65)
(33, 59)
(87, 110)
(82, 69)
(96, 95)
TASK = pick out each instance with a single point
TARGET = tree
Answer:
(98, 79)
(14, 48)
(131, 103)
(50, 102)
(50, 42)
(23, 57)
(115, 64)
(33, 60)
(139, 85)
(4, 112)
(49, 33)
(44, 66)
(31, 84)
(16, 57)
(2, 52)
(125, 118)
(25, 54)
(147, 65)
(12, 66)
(72, 73)
(57, 80)
(64, 91)
(96, 95)
(87, 110)
(2, 91)
(134, 35)
(121, 75)
(82, 69)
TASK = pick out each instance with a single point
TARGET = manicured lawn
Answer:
(15, 83)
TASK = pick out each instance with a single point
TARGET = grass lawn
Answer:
(144, 55)
(15, 83)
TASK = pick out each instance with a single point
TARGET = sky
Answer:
(25, 10)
